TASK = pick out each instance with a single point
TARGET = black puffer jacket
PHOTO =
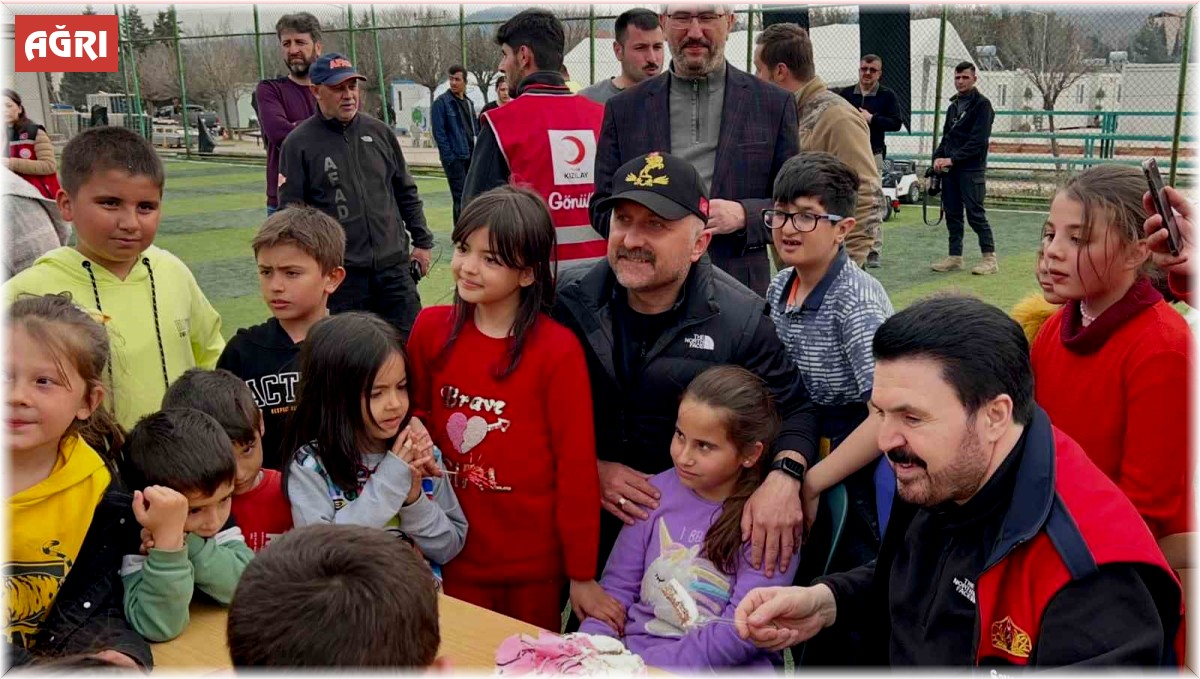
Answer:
(967, 132)
(88, 615)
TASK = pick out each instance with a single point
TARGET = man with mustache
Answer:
(639, 49)
(653, 315)
(1006, 545)
(734, 129)
(283, 103)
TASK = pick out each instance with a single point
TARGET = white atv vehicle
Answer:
(901, 184)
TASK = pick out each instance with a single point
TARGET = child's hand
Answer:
(163, 512)
(415, 490)
(407, 449)
(147, 542)
(811, 502)
(589, 600)
(420, 437)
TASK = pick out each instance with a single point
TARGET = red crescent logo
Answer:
(579, 150)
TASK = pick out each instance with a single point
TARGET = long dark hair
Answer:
(16, 99)
(73, 336)
(749, 417)
(338, 363)
(520, 235)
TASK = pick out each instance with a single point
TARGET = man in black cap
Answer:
(652, 316)
(345, 163)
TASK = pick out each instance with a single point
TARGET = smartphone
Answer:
(1159, 195)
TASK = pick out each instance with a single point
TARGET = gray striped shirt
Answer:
(829, 336)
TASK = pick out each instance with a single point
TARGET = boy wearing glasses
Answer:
(826, 311)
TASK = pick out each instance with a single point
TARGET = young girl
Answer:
(354, 461)
(504, 390)
(69, 521)
(1033, 311)
(1111, 367)
(682, 572)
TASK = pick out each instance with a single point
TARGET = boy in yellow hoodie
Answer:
(161, 323)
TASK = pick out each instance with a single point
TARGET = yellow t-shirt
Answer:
(47, 524)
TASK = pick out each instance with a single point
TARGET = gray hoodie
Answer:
(35, 226)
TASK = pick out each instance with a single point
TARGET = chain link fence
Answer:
(1071, 85)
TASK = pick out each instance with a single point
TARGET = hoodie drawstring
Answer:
(162, 354)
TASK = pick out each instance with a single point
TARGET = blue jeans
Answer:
(271, 210)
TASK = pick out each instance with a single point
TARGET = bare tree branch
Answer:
(483, 56)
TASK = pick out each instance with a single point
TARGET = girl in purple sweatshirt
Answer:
(681, 573)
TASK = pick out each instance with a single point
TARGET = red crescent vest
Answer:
(23, 146)
(549, 142)
(1095, 524)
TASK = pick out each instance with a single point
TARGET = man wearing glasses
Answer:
(877, 104)
(735, 130)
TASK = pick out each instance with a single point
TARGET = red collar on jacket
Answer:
(1081, 340)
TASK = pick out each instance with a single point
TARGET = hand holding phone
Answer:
(1162, 205)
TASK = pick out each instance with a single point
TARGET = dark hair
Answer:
(71, 334)
(16, 99)
(1111, 197)
(98, 149)
(300, 22)
(501, 81)
(540, 31)
(821, 176)
(983, 352)
(329, 595)
(339, 360)
(641, 18)
(311, 231)
(872, 58)
(749, 418)
(180, 448)
(457, 68)
(964, 66)
(520, 235)
(222, 395)
(790, 45)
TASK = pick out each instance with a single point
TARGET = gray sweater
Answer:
(438, 526)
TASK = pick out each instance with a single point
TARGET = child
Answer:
(682, 572)
(504, 390)
(183, 462)
(299, 252)
(826, 311)
(335, 596)
(1111, 367)
(259, 507)
(68, 517)
(1033, 311)
(354, 460)
(161, 323)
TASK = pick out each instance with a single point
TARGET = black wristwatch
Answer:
(790, 467)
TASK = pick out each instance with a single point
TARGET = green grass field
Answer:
(211, 210)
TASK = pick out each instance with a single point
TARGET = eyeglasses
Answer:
(801, 221)
(684, 19)
(868, 69)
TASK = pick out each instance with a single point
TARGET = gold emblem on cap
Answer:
(654, 161)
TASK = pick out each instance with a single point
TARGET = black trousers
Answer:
(966, 190)
(390, 293)
(456, 176)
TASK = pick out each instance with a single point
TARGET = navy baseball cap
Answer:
(666, 185)
(332, 69)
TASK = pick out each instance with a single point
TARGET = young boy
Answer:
(259, 506)
(299, 252)
(330, 595)
(183, 462)
(826, 311)
(161, 323)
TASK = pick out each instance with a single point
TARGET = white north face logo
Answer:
(573, 153)
(699, 341)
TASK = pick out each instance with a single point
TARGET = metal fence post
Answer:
(383, 93)
(937, 96)
(592, 41)
(122, 45)
(183, 114)
(143, 124)
(1183, 66)
(462, 35)
(262, 72)
(353, 42)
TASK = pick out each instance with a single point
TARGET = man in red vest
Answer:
(1006, 545)
(544, 138)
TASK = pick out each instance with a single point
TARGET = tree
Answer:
(135, 29)
(483, 56)
(829, 16)
(1150, 45)
(219, 68)
(158, 75)
(75, 87)
(429, 50)
(165, 24)
(1050, 58)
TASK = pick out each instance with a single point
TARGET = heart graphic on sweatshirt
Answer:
(473, 435)
(456, 426)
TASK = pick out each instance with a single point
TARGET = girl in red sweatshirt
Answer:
(1111, 367)
(504, 392)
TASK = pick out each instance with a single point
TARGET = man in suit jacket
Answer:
(735, 130)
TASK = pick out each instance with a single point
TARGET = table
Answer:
(470, 637)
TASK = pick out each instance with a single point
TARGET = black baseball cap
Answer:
(666, 185)
(332, 69)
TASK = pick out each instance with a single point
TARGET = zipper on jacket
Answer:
(358, 181)
(695, 111)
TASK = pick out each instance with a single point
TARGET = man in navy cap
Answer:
(347, 164)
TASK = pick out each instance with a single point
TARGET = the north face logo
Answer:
(702, 342)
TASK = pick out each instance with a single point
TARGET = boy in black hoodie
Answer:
(299, 251)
